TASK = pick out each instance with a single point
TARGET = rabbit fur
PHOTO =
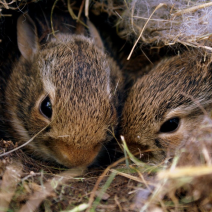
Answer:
(73, 76)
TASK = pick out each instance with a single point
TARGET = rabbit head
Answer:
(64, 93)
(167, 104)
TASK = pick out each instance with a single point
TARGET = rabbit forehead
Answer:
(78, 65)
(171, 85)
(84, 83)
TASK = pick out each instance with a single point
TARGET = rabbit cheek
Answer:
(72, 156)
(171, 140)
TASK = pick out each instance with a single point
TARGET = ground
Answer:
(184, 184)
(57, 190)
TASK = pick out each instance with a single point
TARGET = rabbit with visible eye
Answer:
(68, 89)
(167, 104)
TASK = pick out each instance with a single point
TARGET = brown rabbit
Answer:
(69, 88)
(167, 104)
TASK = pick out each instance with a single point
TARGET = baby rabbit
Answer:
(167, 104)
(68, 89)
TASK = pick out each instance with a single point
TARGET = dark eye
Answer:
(46, 107)
(170, 125)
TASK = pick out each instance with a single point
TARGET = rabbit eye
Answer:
(46, 107)
(170, 125)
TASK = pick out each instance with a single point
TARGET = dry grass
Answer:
(184, 184)
(154, 23)
(166, 22)
(181, 184)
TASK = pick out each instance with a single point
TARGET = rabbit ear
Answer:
(27, 37)
(95, 35)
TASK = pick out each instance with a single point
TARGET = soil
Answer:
(120, 196)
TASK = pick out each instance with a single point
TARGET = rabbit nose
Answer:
(72, 156)
(82, 159)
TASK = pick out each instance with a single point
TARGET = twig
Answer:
(137, 179)
(19, 147)
(80, 10)
(36, 198)
(73, 15)
(159, 6)
(192, 9)
(185, 172)
(86, 8)
(53, 32)
(91, 199)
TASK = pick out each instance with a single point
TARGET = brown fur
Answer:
(176, 87)
(80, 80)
